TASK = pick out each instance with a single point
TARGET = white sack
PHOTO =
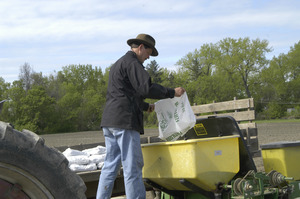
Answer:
(78, 168)
(73, 152)
(99, 150)
(97, 158)
(79, 159)
(100, 165)
(175, 117)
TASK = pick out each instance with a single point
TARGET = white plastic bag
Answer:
(99, 150)
(97, 158)
(73, 152)
(78, 159)
(80, 167)
(86, 160)
(175, 117)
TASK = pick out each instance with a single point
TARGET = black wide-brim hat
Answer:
(145, 39)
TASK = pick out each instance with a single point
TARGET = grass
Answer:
(150, 126)
(277, 121)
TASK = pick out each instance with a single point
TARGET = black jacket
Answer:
(129, 84)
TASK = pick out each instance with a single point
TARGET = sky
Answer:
(51, 34)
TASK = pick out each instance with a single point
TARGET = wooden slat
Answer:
(247, 125)
(238, 116)
(224, 106)
(249, 133)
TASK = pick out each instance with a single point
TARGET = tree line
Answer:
(73, 99)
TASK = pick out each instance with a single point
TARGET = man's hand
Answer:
(179, 91)
(151, 108)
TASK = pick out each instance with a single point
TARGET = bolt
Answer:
(288, 178)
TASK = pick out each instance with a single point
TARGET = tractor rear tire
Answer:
(39, 172)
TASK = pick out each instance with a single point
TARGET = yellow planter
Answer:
(203, 162)
(283, 157)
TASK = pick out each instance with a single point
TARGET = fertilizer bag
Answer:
(175, 117)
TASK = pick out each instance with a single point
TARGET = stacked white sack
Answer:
(86, 160)
(97, 155)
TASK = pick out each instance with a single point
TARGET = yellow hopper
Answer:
(283, 157)
(203, 162)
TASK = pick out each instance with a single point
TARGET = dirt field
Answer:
(267, 132)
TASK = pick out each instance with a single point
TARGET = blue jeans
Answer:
(123, 147)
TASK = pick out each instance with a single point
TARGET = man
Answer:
(122, 120)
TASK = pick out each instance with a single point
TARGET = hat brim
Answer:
(154, 50)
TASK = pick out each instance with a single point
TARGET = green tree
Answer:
(11, 112)
(293, 74)
(167, 78)
(81, 97)
(68, 107)
(91, 109)
(35, 110)
(37, 79)
(206, 82)
(3, 89)
(25, 76)
(154, 71)
(200, 62)
(244, 57)
(279, 84)
(275, 79)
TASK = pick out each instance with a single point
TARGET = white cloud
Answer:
(56, 33)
